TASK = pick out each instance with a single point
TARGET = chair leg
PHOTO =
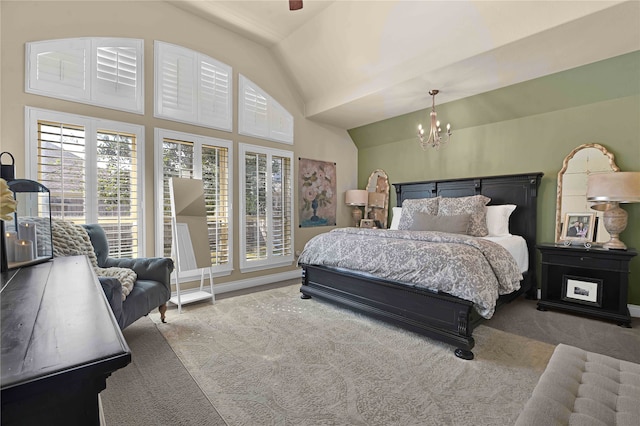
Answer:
(162, 309)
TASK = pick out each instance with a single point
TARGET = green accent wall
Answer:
(527, 127)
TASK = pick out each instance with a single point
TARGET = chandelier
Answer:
(434, 139)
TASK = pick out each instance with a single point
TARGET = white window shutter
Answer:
(175, 86)
(280, 123)
(192, 88)
(261, 116)
(58, 68)
(118, 74)
(214, 104)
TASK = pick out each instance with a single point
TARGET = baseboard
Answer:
(634, 310)
(250, 282)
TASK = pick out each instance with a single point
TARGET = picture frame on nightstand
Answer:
(578, 227)
(586, 291)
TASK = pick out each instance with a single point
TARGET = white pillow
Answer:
(498, 219)
(396, 212)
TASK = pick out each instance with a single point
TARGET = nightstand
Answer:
(591, 282)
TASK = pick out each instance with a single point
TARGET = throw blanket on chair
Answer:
(70, 239)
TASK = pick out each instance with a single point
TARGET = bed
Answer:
(435, 314)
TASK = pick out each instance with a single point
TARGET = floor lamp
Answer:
(608, 190)
(356, 198)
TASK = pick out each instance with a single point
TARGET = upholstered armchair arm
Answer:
(149, 268)
(113, 292)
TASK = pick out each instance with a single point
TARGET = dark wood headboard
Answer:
(521, 190)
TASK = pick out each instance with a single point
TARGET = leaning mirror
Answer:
(572, 185)
(378, 206)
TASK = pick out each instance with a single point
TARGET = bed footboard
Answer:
(436, 315)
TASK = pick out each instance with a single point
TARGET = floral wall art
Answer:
(317, 193)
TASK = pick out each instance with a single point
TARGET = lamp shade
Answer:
(621, 187)
(376, 199)
(356, 197)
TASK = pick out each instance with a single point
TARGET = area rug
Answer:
(271, 358)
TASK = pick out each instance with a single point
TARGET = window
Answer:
(266, 208)
(93, 171)
(261, 116)
(197, 157)
(191, 87)
(107, 72)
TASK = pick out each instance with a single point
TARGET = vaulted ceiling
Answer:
(359, 62)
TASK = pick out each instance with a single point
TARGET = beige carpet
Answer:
(271, 358)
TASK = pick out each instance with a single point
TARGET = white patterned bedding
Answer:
(467, 267)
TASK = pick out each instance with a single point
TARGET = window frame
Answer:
(91, 126)
(160, 134)
(272, 261)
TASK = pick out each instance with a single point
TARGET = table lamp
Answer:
(356, 198)
(608, 190)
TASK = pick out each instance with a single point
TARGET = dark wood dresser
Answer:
(60, 342)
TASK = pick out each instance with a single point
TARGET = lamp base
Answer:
(356, 214)
(615, 221)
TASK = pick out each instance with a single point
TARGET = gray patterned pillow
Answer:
(456, 224)
(473, 205)
(420, 205)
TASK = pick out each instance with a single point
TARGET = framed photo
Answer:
(367, 223)
(578, 227)
(587, 291)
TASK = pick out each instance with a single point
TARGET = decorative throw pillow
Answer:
(396, 212)
(498, 219)
(473, 205)
(456, 224)
(419, 205)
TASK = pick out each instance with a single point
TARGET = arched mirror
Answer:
(572, 185)
(378, 206)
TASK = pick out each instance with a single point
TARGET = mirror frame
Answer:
(565, 164)
(372, 183)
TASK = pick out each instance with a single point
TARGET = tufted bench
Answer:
(584, 388)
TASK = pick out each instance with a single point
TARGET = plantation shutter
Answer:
(59, 67)
(255, 214)
(117, 191)
(98, 71)
(192, 88)
(281, 190)
(215, 178)
(261, 116)
(61, 167)
(214, 106)
(266, 213)
(117, 80)
(92, 177)
(177, 158)
(197, 157)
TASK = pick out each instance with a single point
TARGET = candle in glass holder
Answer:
(27, 231)
(10, 238)
(23, 250)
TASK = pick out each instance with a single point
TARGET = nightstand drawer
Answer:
(586, 261)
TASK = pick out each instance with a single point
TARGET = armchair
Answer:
(152, 288)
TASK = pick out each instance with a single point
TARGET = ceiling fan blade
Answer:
(295, 4)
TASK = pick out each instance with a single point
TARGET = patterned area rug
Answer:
(271, 358)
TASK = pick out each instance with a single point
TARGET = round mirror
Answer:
(378, 205)
(572, 186)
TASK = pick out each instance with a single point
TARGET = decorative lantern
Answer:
(26, 240)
